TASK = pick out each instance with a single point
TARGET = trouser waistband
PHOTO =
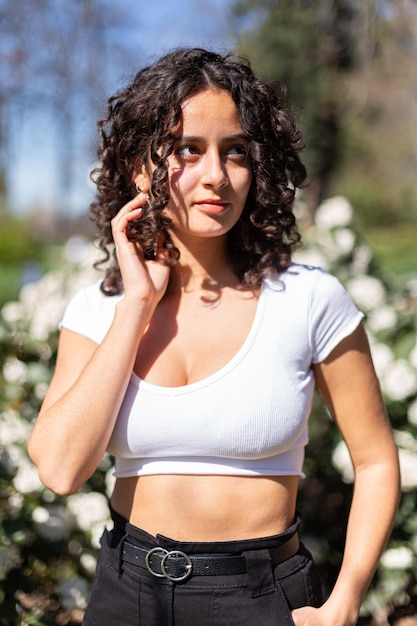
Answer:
(177, 566)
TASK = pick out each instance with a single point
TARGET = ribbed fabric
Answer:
(248, 418)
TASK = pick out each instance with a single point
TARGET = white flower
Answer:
(38, 373)
(13, 312)
(337, 244)
(367, 292)
(405, 440)
(362, 257)
(334, 212)
(88, 509)
(397, 558)
(13, 429)
(312, 257)
(412, 287)
(14, 371)
(40, 390)
(345, 241)
(26, 479)
(76, 249)
(303, 214)
(10, 458)
(408, 468)
(342, 462)
(15, 504)
(9, 559)
(399, 380)
(33, 295)
(382, 318)
(45, 318)
(412, 413)
(53, 523)
(87, 276)
(45, 302)
(74, 593)
(96, 532)
(381, 356)
(413, 357)
(109, 481)
(89, 563)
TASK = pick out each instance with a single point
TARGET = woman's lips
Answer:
(212, 206)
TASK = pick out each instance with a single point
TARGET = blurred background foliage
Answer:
(349, 66)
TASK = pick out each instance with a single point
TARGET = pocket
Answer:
(235, 607)
(284, 615)
(313, 583)
(300, 580)
(114, 598)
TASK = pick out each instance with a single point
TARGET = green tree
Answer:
(307, 45)
(348, 66)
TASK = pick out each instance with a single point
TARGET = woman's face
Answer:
(209, 170)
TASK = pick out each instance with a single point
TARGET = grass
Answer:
(10, 278)
(395, 248)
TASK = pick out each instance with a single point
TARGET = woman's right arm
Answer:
(80, 409)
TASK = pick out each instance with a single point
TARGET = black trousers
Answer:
(125, 594)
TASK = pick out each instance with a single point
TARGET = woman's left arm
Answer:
(350, 388)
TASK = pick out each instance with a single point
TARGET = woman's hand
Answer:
(307, 616)
(310, 616)
(142, 280)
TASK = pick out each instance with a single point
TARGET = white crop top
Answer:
(250, 417)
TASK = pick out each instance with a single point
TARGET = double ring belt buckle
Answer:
(174, 555)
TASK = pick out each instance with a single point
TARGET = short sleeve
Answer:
(333, 315)
(90, 313)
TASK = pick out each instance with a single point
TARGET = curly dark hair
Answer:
(139, 127)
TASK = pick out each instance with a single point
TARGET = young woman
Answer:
(195, 360)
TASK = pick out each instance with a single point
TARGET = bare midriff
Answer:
(207, 508)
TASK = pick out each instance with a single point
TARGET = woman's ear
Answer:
(142, 180)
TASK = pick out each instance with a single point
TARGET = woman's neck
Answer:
(201, 266)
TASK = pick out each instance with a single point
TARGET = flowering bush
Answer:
(48, 544)
(333, 243)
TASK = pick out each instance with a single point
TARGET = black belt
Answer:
(177, 566)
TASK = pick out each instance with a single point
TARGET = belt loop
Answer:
(117, 537)
(260, 572)
(120, 556)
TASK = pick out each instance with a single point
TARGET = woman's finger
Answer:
(132, 210)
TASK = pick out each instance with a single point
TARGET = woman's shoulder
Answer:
(299, 276)
(316, 300)
(90, 311)
(311, 286)
(91, 294)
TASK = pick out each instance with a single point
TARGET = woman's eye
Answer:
(187, 151)
(237, 151)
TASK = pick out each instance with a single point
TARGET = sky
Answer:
(171, 23)
(156, 27)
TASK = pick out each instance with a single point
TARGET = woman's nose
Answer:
(214, 170)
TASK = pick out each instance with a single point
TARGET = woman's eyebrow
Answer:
(197, 139)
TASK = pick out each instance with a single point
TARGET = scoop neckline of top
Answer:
(225, 369)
